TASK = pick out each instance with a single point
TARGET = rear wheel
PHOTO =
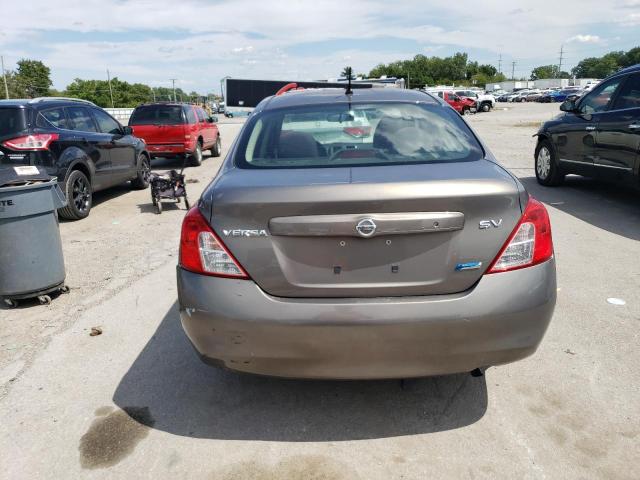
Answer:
(186, 203)
(465, 111)
(158, 204)
(485, 107)
(144, 173)
(78, 191)
(217, 149)
(546, 165)
(196, 156)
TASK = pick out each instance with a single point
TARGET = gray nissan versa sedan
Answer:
(364, 235)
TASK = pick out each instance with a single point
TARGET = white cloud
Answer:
(585, 39)
(213, 45)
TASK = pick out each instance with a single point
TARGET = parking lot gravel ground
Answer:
(136, 402)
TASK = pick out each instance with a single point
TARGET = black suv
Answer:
(75, 141)
(598, 135)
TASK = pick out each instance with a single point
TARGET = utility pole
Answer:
(500, 64)
(560, 63)
(513, 70)
(173, 83)
(153, 91)
(110, 90)
(4, 76)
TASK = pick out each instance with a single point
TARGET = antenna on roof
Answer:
(349, 73)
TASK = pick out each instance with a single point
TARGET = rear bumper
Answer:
(167, 149)
(233, 322)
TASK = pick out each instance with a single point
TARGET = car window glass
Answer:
(106, 124)
(80, 119)
(191, 116)
(53, 116)
(157, 115)
(201, 115)
(342, 135)
(629, 96)
(598, 100)
(12, 120)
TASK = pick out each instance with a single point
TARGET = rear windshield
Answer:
(340, 135)
(157, 115)
(12, 120)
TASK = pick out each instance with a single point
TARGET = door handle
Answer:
(635, 126)
(590, 128)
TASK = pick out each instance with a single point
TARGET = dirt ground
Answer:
(137, 402)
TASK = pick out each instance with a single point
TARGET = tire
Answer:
(158, 206)
(196, 156)
(217, 149)
(465, 111)
(142, 176)
(485, 107)
(79, 194)
(546, 165)
(186, 203)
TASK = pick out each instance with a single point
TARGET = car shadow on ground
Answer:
(186, 397)
(609, 206)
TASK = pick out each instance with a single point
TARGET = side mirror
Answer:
(127, 131)
(568, 106)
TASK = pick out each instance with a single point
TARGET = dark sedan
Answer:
(597, 135)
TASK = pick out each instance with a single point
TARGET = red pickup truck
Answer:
(176, 129)
(462, 105)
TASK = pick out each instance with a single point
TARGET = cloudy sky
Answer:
(200, 41)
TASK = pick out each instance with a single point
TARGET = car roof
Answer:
(316, 96)
(44, 102)
(631, 69)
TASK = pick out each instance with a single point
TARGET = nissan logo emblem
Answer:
(366, 227)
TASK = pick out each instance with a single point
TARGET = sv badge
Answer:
(485, 224)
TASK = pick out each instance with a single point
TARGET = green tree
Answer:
(548, 71)
(33, 78)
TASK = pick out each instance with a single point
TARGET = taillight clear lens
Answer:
(39, 141)
(529, 244)
(201, 251)
(214, 257)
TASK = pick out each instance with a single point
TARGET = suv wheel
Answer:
(485, 107)
(217, 149)
(144, 173)
(547, 169)
(196, 156)
(79, 196)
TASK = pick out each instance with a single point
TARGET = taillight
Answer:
(529, 244)
(358, 132)
(40, 141)
(201, 251)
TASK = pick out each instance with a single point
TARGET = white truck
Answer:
(484, 101)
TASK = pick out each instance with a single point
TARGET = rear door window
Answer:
(340, 135)
(106, 124)
(80, 119)
(52, 116)
(629, 96)
(12, 120)
(191, 116)
(157, 115)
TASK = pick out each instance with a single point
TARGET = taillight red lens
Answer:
(529, 244)
(358, 132)
(40, 141)
(201, 251)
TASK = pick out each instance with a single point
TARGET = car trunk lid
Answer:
(296, 231)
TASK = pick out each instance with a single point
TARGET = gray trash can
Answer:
(31, 260)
